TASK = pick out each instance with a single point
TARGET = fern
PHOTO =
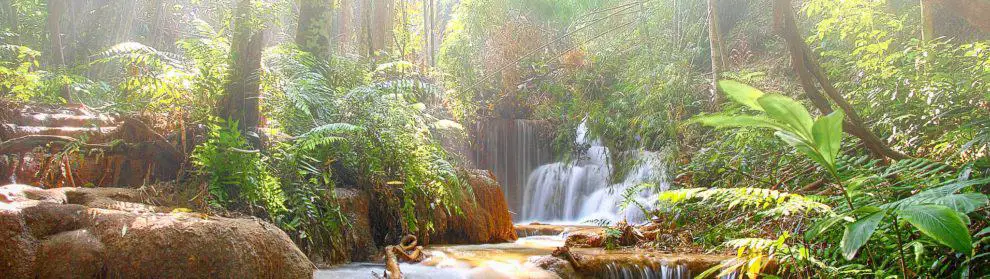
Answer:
(769, 202)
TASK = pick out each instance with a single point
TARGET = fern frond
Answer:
(770, 202)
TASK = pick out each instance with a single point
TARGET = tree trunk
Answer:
(973, 11)
(313, 33)
(927, 21)
(240, 102)
(10, 13)
(124, 23)
(56, 10)
(159, 37)
(429, 26)
(379, 23)
(716, 52)
(810, 74)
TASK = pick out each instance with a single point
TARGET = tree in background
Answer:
(314, 27)
(240, 102)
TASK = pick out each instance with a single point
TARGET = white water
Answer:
(581, 190)
(503, 260)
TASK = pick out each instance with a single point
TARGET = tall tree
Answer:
(976, 12)
(56, 11)
(811, 75)
(240, 101)
(9, 12)
(715, 42)
(429, 26)
(313, 32)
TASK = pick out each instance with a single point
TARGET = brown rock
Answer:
(78, 254)
(485, 219)
(355, 205)
(49, 239)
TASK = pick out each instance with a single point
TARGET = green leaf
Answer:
(940, 223)
(741, 93)
(827, 132)
(789, 112)
(964, 203)
(822, 226)
(720, 121)
(857, 233)
(804, 147)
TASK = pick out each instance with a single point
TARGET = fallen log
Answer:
(406, 251)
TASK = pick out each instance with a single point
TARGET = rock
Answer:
(537, 229)
(49, 237)
(558, 266)
(355, 206)
(78, 254)
(485, 219)
(585, 239)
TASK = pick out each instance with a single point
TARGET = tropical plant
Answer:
(939, 212)
(238, 177)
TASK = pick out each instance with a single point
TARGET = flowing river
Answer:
(504, 260)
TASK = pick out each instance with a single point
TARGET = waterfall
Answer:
(511, 149)
(538, 189)
(581, 190)
(631, 270)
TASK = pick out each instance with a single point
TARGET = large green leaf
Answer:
(741, 93)
(789, 112)
(940, 223)
(937, 193)
(965, 203)
(827, 133)
(858, 232)
(804, 147)
(734, 121)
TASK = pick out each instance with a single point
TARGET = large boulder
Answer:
(80, 233)
(485, 218)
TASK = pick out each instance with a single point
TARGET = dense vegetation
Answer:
(833, 139)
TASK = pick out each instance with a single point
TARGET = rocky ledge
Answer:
(112, 232)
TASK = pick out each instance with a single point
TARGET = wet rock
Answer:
(49, 237)
(585, 239)
(537, 229)
(485, 219)
(355, 205)
(484, 215)
(558, 266)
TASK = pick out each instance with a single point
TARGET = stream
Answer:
(504, 260)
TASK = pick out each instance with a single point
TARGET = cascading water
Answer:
(511, 149)
(638, 271)
(581, 190)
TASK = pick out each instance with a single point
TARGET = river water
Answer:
(504, 260)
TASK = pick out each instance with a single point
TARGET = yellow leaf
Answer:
(755, 265)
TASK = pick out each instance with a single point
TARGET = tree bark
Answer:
(973, 11)
(716, 52)
(240, 102)
(313, 33)
(927, 21)
(56, 11)
(10, 13)
(810, 74)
